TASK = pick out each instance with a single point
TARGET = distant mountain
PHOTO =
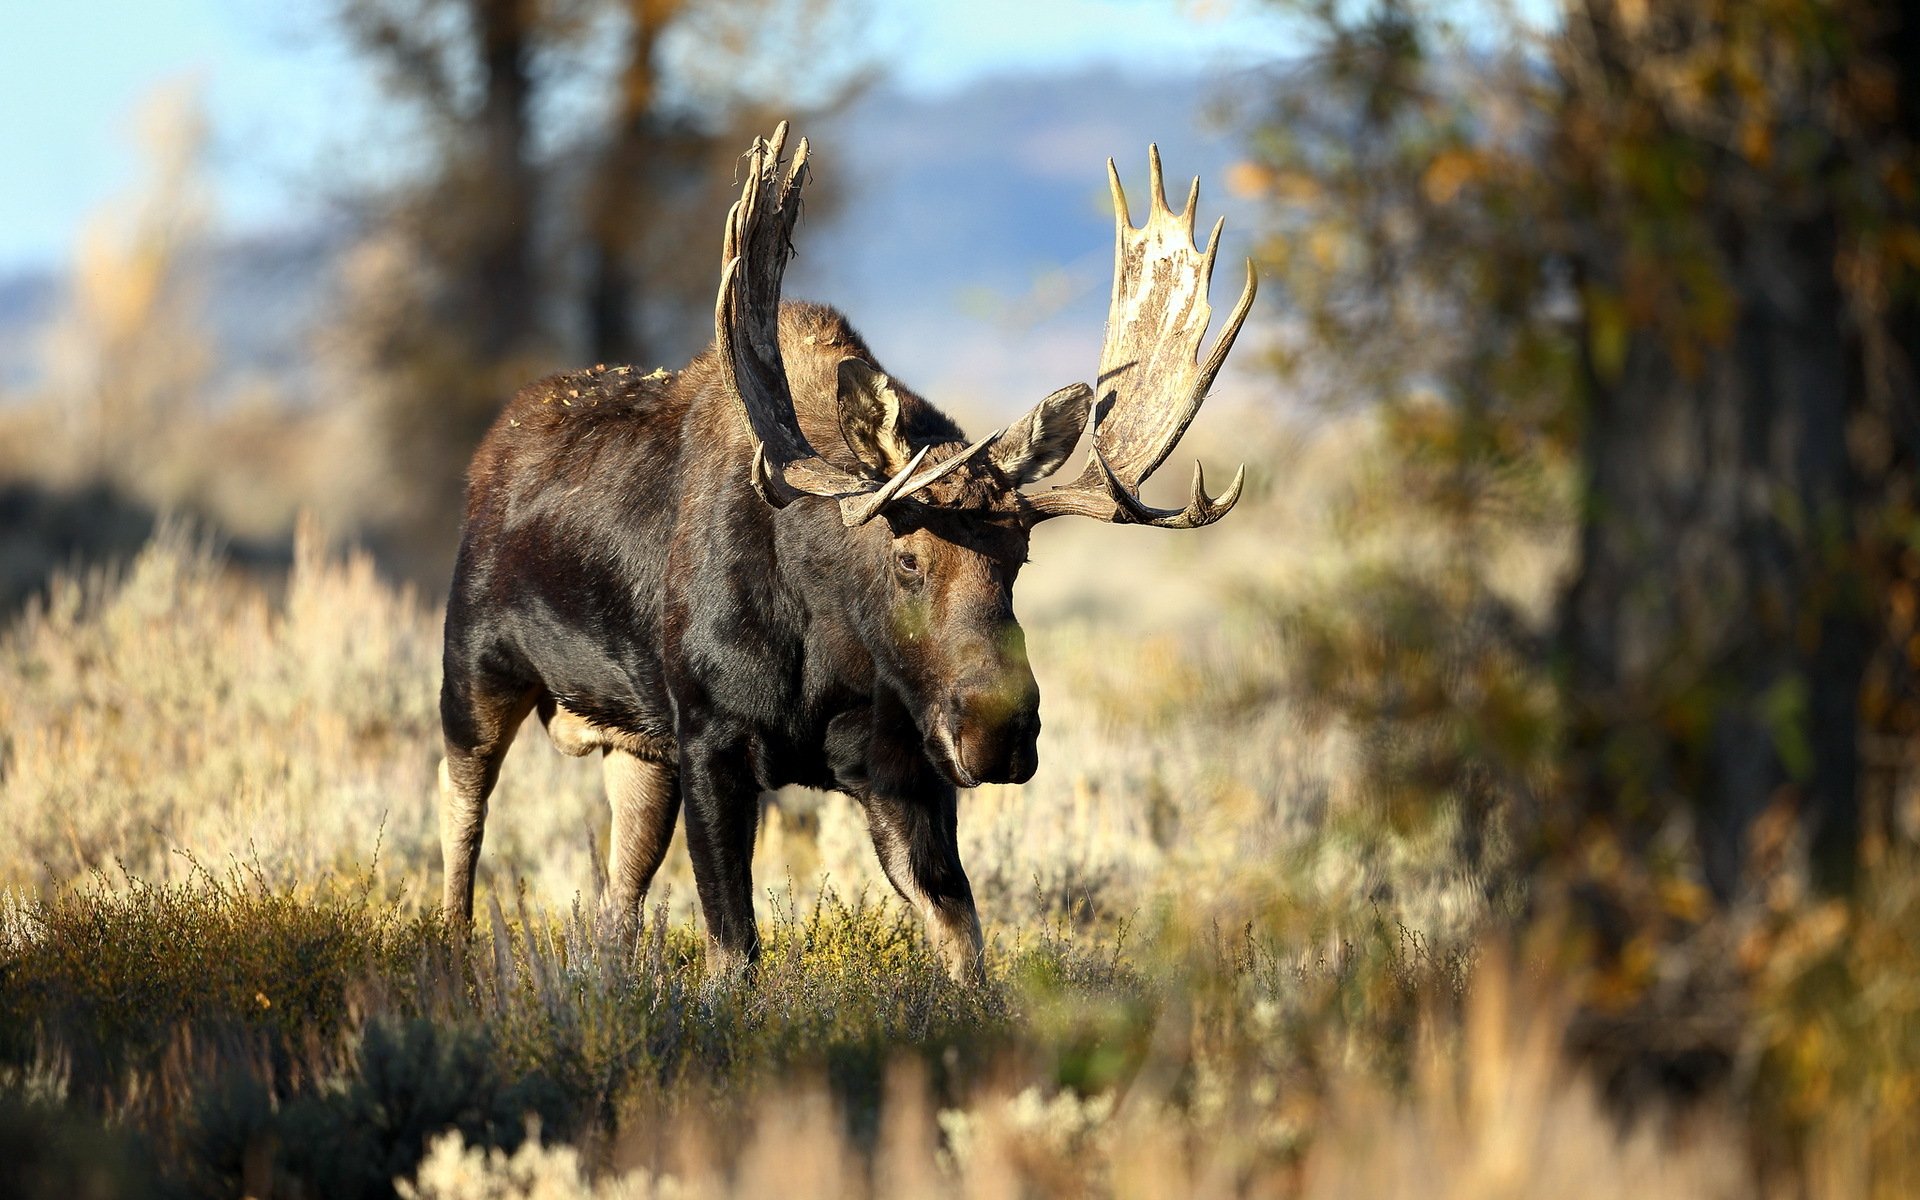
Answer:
(972, 244)
(262, 298)
(27, 303)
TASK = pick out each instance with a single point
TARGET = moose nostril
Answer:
(993, 729)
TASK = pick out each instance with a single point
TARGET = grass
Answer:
(213, 1017)
(323, 1039)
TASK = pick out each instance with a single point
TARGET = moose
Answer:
(780, 565)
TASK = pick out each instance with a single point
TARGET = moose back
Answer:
(782, 566)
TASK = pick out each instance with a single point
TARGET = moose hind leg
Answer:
(918, 844)
(479, 726)
(645, 797)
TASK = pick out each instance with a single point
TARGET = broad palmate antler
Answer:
(1152, 380)
(746, 320)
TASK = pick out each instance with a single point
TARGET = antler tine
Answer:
(948, 466)
(1153, 378)
(858, 510)
(1222, 345)
(1201, 509)
(905, 483)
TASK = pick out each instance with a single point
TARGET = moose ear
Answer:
(1034, 446)
(870, 418)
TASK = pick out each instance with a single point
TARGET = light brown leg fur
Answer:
(467, 776)
(643, 789)
(645, 796)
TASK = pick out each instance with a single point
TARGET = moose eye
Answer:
(907, 562)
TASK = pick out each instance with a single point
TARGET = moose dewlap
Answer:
(782, 566)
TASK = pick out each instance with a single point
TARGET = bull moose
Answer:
(782, 566)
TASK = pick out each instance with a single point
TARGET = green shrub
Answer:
(119, 978)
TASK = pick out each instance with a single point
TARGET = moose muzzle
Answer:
(988, 730)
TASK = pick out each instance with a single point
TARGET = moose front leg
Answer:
(722, 803)
(918, 844)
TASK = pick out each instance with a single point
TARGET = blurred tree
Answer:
(1405, 242)
(1740, 183)
(577, 156)
(468, 66)
(1674, 246)
(129, 358)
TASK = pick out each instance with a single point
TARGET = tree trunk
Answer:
(616, 196)
(1714, 649)
(504, 287)
(1726, 612)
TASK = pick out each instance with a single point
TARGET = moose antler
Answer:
(1152, 380)
(746, 322)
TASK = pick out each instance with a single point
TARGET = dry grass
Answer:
(1501, 1114)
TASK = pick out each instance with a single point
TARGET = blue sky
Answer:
(286, 103)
